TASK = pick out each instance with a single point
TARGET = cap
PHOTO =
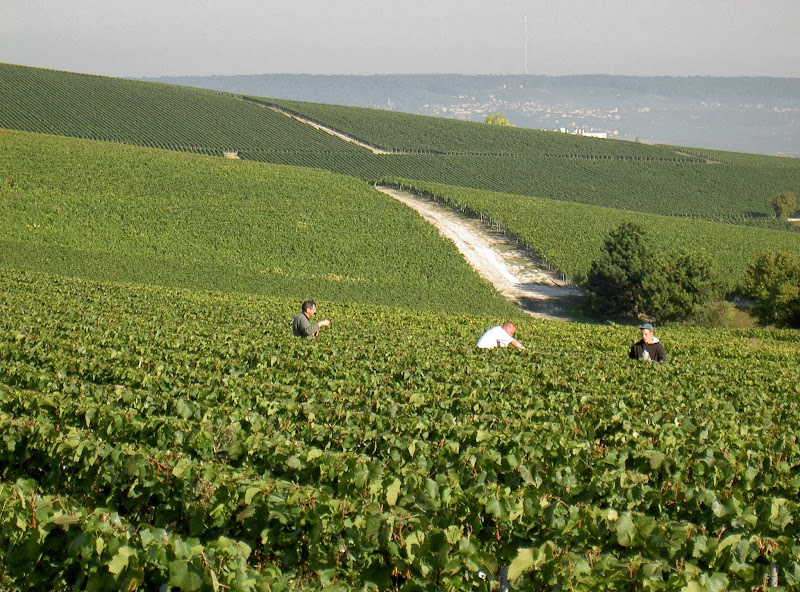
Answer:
(646, 326)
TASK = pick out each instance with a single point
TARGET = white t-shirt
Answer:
(494, 337)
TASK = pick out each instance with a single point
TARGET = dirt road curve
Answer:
(510, 269)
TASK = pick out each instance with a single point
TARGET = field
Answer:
(154, 435)
(626, 175)
(153, 115)
(124, 213)
(664, 180)
(580, 228)
(162, 430)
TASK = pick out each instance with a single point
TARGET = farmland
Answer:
(154, 435)
(576, 244)
(625, 175)
(122, 213)
(162, 430)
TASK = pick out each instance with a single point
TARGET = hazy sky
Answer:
(139, 38)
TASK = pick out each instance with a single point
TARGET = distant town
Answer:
(565, 119)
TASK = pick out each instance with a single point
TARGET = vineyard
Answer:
(162, 430)
(404, 132)
(705, 192)
(627, 175)
(167, 437)
(123, 213)
(570, 238)
(153, 115)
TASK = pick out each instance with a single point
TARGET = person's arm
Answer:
(517, 344)
(633, 355)
(661, 353)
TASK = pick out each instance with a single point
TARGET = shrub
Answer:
(677, 286)
(722, 315)
(773, 280)
(784, 203)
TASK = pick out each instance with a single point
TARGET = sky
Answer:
(153, 38)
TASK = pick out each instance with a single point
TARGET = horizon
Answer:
(646, 38)
(388, 74)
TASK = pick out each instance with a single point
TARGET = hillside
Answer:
(577, 240)
(745, 114)
(162, 429)
(122, 213)
(624, 175)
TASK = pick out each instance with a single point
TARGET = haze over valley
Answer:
(744, 114)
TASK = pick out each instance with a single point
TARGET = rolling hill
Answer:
(161, 428)
(624, 175)
(627, 180)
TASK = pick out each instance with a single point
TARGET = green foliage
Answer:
(629, 175)
(722, 314)
(677, 286)
(399, 131)
(568, 239)
(614, 282)
(153, 436)
(626, 175)
(148, 114)
(784, 203)
(497, 119)
(632, 277)
(121, 213)
(773, 279)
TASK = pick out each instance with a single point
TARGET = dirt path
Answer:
(511, 269)
(328, 130)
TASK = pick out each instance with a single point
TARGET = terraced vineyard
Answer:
(155, 436)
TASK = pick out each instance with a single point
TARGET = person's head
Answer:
(646, 330)
(509, 328)
(309, 308)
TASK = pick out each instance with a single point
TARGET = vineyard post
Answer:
(504, 585)
(773, 575)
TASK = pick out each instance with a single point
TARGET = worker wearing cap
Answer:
(648, 348)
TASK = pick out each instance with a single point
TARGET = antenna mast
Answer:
(526, 44)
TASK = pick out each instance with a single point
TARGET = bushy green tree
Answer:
(628, 280)
(497, 119)
(676, 286)
(614, 282)
(784, 204)
(773, 280)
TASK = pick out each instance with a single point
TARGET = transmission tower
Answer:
(525, 37)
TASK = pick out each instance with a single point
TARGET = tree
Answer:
(497, 119)
(677, 286)
(614, 281)
(627, 280)
(784, 204)
(773, 280)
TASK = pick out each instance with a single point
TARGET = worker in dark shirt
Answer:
(302, 325)
(649, 347)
